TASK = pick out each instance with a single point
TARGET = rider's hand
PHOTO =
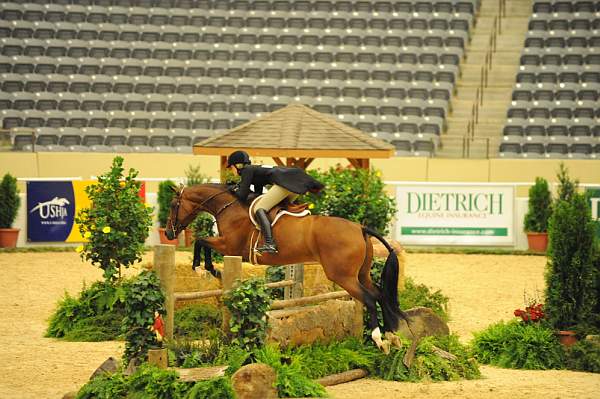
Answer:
(233, 188)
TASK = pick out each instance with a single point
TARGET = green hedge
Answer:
(519, 345)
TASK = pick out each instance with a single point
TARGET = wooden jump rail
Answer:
(164, 263)
(181, 296)
(307, 300)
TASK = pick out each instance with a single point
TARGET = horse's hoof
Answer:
(385, 346)
(394, 339)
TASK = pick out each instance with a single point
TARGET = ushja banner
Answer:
(455, 214)
(52, 207)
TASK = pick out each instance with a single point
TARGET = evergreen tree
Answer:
(571, 288)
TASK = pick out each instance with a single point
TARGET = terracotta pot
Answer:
(189, 237)
(8, 238)
(567, 338)
(537, 241)
(164, 239)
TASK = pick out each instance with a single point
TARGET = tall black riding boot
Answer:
(265, 227)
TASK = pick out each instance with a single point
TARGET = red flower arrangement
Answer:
(532, 313)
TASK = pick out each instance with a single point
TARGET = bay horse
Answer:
(342, 247)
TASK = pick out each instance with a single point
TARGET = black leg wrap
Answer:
(208, 265)
(197, 254)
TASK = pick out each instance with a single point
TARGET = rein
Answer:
(200, 206)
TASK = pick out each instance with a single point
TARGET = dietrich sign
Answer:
(457, 214)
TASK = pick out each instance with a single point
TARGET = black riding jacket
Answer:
(295, 180)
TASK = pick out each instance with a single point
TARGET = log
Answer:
(341, 378)
(443, 354)
(200, 373)
(212, 293)
(280, 304)
(158, 357)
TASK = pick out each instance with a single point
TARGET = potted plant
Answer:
(165, 195)
(571, 275)
(539, 211)
(9, 206)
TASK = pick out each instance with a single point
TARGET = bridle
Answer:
(177, 226)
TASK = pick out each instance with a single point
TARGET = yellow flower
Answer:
(93, 227)
(106, 230)
(311, 206)
(79, 249)
(378, 173)
(87, 234)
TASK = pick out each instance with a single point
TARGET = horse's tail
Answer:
(389, 286)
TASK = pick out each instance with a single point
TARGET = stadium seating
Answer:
(555, 98)
(180, 70)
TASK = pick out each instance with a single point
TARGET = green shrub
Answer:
(292, 382)
(427, 365)
(9, 201)
(202, 225)
(105, 386)
(567, 186)
(192, 322)
(164, 197)
(518, 345)
(151, 382)
(143, 299)
(194, 176)
(248, 303)
(571, 275)
(205, 351)
(584, 356)
(354, 194)
(116, 225)
(539, 207)
(320, 360)
(96, 315)
(216, 388)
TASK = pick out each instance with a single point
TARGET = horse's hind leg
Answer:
(366, 297)
(364, 276)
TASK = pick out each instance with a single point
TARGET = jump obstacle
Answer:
(164, 263)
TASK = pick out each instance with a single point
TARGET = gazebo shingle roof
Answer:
(298, 131)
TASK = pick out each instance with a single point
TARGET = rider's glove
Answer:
(233, 188)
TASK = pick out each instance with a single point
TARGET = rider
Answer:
(286, 183)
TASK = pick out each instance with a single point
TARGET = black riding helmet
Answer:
(237, 157)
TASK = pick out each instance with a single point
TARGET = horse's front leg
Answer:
(216, 243)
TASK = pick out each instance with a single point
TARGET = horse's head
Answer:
(188, 201)
(176, 215)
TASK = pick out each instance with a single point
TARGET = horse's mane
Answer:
(223, 187)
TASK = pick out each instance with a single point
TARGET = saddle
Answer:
(283, 208)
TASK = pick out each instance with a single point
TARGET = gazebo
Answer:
(299, 134)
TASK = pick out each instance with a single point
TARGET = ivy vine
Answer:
(248, 303)
(143, 298)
